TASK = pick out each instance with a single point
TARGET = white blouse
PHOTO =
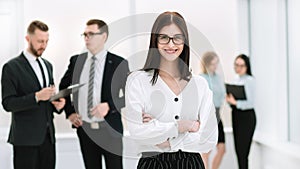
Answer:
(193, 103)
(249, 83)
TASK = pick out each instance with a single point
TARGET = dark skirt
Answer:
(221, 135)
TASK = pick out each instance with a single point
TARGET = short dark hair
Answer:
(247, 62)
(102, 26)
(153, 61)
(37, 25)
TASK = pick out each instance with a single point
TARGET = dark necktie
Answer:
(43, 74)
(91, 86)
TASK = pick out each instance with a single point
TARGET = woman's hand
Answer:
(188, 126)
(146, 117)
(230, 99)
(163, 145)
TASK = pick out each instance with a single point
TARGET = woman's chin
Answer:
(170, 57)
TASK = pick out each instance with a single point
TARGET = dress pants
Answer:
(243, 124)
(174, 160)
(95, 143)
(35, 157)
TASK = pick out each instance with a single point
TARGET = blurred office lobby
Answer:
(266, 30)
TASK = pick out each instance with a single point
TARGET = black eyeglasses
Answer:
(238, 65)
(177, 39)
(90, 34)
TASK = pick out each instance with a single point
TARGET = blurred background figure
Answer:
(243, 114)
(27, 85)
(209, 64)
(95, 108)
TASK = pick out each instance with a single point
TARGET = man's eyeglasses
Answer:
(90, 34)
(177, 39)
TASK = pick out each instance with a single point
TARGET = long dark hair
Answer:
(153, 57)
(247, 63)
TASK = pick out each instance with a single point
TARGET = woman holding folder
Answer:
(243, 114)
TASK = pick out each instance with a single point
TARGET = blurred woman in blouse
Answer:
(210, 61)
(170, 113)
(243, 114)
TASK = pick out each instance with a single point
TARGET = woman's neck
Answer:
(242, 75)
(169, 68)
(211, 73)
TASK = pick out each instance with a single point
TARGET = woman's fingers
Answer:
(146, 117)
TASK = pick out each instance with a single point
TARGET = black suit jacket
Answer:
(114, 79)
(30, 119)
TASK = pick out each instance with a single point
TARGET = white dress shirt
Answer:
(35, 66)
(195, 102)
(84, 78)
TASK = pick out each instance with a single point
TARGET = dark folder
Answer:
(238, 91)
(66, 92)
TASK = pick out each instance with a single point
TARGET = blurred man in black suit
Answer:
(27, 85)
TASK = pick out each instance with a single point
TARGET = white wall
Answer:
(10, 11)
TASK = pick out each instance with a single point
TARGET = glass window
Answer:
(294, 69)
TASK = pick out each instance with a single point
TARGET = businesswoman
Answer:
(210, 61)
(170, 113)
(243, 114)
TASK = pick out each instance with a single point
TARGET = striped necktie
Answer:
(91, 86)
(43, 74)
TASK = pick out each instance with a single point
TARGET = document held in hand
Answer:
(238, 91)
(66, 92)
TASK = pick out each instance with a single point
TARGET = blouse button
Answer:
(176, 117)
(176, 99)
